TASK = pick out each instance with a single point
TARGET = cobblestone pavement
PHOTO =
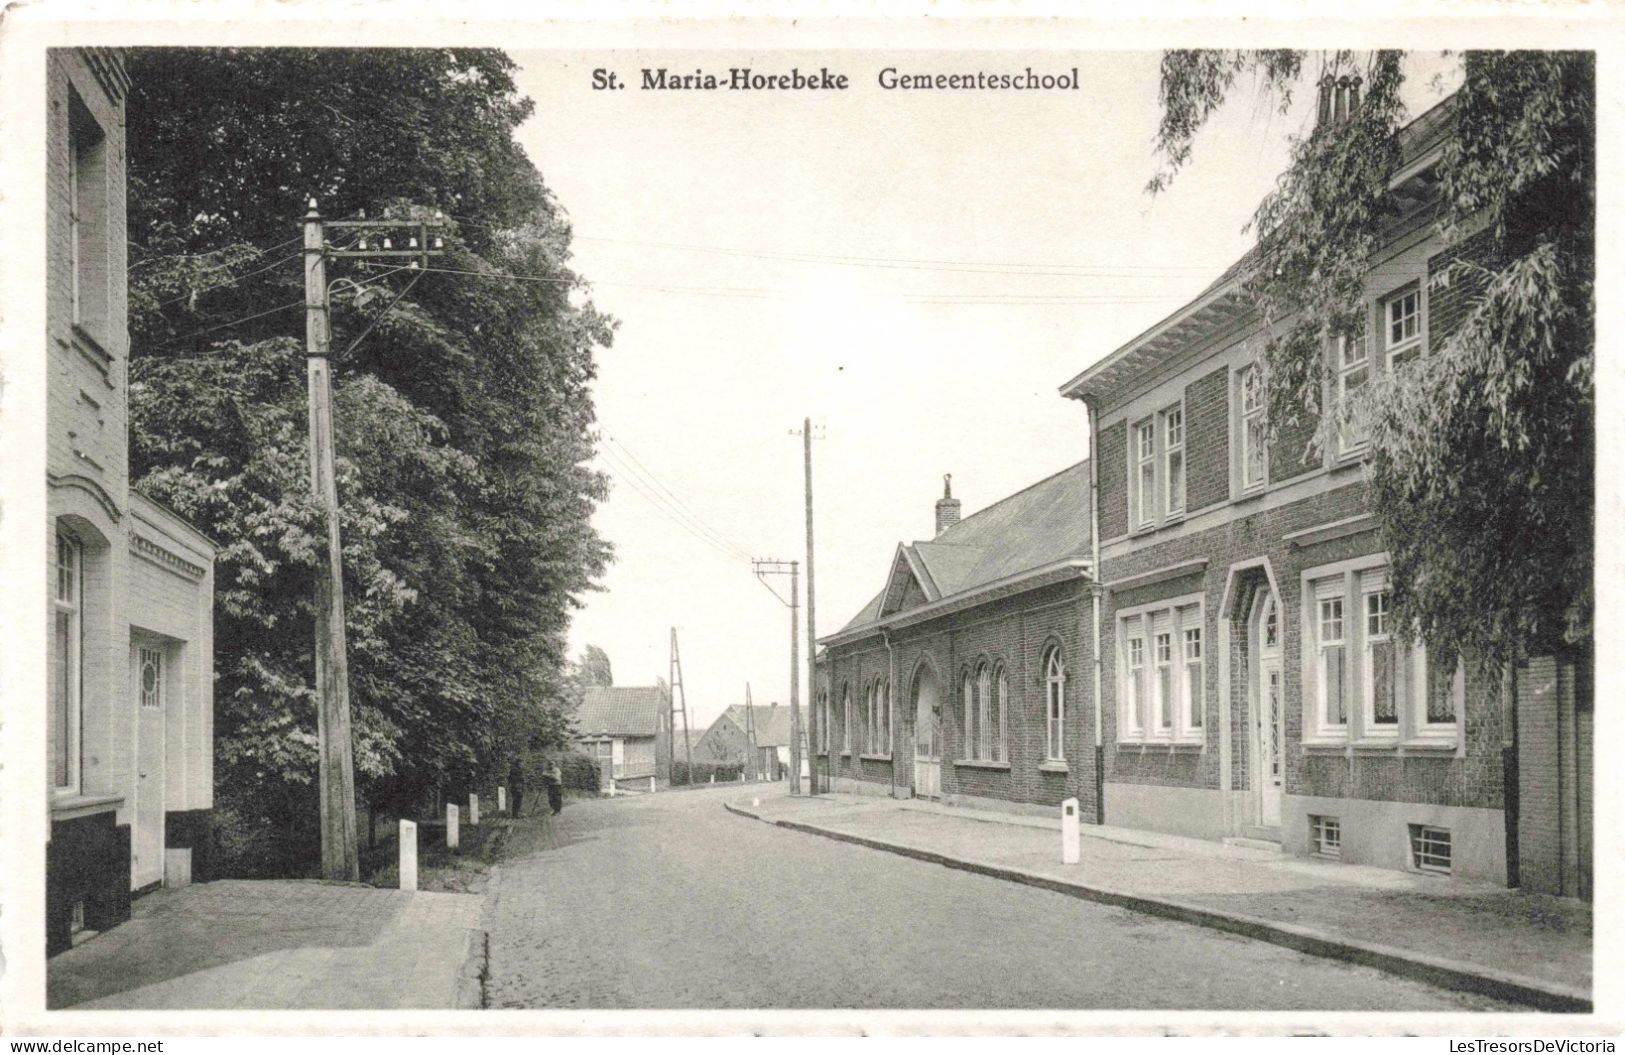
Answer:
(668, 901)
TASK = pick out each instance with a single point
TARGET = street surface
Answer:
(669, 901)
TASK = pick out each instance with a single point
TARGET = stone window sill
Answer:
(67, 806)
(1441, 744)
(977, 763)
(1250, 494)
(1054, 766)
(1161, 745)
(875, 758)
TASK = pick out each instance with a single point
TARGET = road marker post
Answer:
(473, 807)
(1069, 832)
(451, 826)
(502, 799)
(409, 855)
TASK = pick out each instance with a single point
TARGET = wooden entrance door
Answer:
(150, 663)
(927, 737)
(1268, 714)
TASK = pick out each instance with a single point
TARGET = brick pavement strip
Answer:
(1172, 881)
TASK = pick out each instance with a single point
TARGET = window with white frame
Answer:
(968, 701)
(1162, 681)
(1173, 459)
(1369, 681)
(152, 678)
(1161, 672)
(1145, 456)
(883, 730)
(1134, 688)
(1253, 452)
(986, 706)
(1353, 359)
(871, 717)
(1402, 325)
(846, 721)
(1001, 719)
(984, 713)
(1054, 707)
(66, 663)
(1195, 696)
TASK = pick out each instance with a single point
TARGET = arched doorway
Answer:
(1268, 709)
(927, 713)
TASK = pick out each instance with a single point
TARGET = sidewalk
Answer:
(279, 944)
(1531, 949)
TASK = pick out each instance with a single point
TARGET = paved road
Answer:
(668, 901)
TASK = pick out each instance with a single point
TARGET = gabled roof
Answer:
(772, 722)
(1226, 301)
(1031, 531)
(620, 710)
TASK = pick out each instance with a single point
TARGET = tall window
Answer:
(1160, 672)
(1252, 428)
(846, 720)
(871, 716)
(984, 713)
(1173, 457)
(1054, 707)
(87, 214)
(1402, 329)
(1134, 684)
(1163, 645)
(1145, 450)
(882, 744)
(1353, 371)
(1330, 657)
(1195, 701)
(1001, 720)
(66, 656)
(1390, 691)
(968, 700)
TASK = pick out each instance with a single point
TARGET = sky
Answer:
(918, 272)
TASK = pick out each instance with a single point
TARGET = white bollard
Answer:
(1069, 832)
(502, 799)
(451, 826)
(473, 807)
(713, 778)
(409, 855)
(651, 784)
(755, 802)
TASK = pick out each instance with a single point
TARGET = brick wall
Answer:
(1474, 779)
(1112, 469)
(1554, 777)
(1290, 455)
(1015, 633)
(1448, 304)
(1207, 440)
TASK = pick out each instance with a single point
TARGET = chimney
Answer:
(947, 505)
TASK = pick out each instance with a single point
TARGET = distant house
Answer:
(726, 741)
(130, 704)
(628, 728)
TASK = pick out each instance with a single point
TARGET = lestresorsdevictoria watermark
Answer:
(1559, 1046)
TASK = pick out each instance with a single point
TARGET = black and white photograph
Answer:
(827, 526)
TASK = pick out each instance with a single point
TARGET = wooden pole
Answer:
(795, 678)
(340, 855)
(814, 718)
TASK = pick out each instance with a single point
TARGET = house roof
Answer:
(1036, 528)
(772, 723)
(620, 710)
(1226, 301)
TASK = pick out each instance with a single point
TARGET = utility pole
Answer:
(676, 691)
(751, 750)
(336, 769)
(764, 568)
(814, 718)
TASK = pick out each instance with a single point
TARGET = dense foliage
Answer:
(1482, 451)
(463, 418)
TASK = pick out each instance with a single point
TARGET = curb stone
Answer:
(1434, 970)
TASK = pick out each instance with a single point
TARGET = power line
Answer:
(246, 318)
(696, 526)
(624, 477)
(658, 483)
(256, 254)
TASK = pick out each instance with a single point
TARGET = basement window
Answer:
(1328, 833)
(1430, 849)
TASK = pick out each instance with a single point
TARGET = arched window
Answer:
(884, 728)
(846, 720)
(1054, 706)
(1001, 719)
(969, 704)
(984, 714)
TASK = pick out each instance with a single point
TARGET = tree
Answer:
(464, 419)
(593, 667)
(1482, 451)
